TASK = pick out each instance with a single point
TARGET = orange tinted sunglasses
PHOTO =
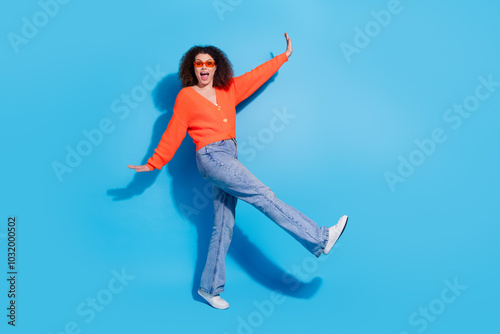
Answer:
(208, 63)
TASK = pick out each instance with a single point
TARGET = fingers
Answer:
(288, 41)
(289, 48)
(140, 168)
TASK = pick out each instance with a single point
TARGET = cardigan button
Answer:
(219, 107)
(225, 119)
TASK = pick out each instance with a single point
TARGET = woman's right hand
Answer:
(140, 168)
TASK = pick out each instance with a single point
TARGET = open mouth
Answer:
(204, 76)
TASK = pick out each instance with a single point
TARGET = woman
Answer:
(205, 108)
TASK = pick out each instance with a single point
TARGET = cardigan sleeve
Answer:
(169, 142)
(246, 84)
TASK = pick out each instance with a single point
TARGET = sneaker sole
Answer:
(341, 232)
(347, 219)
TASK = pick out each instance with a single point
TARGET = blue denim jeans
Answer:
(218, 163)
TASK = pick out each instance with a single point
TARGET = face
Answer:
(204, 74)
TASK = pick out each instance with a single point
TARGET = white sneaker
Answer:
(216, 301)
(334, 233)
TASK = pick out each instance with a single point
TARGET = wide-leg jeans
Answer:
(218, 163)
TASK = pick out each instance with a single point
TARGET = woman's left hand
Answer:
(289, 48)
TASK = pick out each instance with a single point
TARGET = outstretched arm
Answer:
(169, 143)
(246, 84)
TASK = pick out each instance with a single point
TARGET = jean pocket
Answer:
(216, 143)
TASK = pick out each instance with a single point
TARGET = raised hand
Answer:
(289, 48)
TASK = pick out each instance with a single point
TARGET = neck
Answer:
(208, 86)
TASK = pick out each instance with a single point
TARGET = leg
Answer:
(213, 277)
(218, 164)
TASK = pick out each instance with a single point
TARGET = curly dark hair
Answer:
(223, 75)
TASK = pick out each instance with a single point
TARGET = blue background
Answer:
(353, 118)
